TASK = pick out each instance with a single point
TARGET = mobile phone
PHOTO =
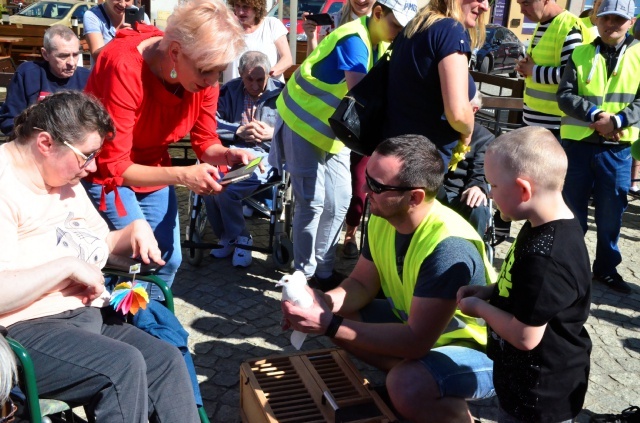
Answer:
(123, 264)
(237, 174)
(133, 14)
(321, 19)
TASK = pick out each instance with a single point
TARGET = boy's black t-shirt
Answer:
(545, 278)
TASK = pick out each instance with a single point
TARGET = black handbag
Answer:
(358, 119)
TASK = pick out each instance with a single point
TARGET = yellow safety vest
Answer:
(306, 103)
(440, 223)
(610, 95)
(548, 51)
(591, 32)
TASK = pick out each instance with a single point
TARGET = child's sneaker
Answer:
(242, 257)
(225, 250)
(634, 191)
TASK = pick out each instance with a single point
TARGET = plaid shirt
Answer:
(249, 108)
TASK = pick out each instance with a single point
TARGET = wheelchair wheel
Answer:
(196, 227)
(283, 252)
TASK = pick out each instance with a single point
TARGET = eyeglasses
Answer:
(378, 188)
(87, 159)
(9, 417)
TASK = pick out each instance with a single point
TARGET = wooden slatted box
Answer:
(314, 386)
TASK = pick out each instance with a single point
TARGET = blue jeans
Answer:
(224, 210)
(160, 209)
(459, 371)
(605, 172)
(321, 185)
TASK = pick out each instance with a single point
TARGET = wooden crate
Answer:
(314, 386)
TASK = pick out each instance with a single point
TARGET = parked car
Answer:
(51, 12)
(500, 52)
(311, 6)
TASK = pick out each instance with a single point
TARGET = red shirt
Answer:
(147, 117)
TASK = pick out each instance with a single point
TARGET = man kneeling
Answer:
(419, 253)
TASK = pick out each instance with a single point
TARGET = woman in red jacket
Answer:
(159, 87)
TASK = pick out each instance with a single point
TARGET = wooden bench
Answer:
(502, 101)
(29, 47)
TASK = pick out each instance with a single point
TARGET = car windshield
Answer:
(47, 10)
(311, 6)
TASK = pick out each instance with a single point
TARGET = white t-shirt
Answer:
(38, 227)
(262, 39)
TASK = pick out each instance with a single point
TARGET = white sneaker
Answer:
(247, 211)
(242, 257)
(225, 250)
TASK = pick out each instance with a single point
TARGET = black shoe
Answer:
(350, 250)
(326, 284)
(614, 282)
(628, 415)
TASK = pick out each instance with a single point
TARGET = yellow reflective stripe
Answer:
(623, 98)
(326, 97)
(308, 118)
(568, 120)
(542, 95)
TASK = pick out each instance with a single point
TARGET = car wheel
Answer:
(485, 66)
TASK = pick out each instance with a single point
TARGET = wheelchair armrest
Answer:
(29, 374)
(122, 264)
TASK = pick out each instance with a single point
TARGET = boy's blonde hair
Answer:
(207, 31)
(534, 153)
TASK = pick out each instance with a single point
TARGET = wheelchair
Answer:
(273, 200)
(47, 411)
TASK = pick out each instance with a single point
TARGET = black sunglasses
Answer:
(378, 188)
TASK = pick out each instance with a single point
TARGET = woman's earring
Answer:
(173, 73)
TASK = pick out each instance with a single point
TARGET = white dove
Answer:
(293, 290)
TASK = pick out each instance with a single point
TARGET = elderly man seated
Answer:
(246, 116)
(35, 80)
(465, 188)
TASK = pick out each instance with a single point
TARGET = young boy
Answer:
(599, 93)
(537, 309)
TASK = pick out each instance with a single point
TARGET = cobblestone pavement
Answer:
(234, 315)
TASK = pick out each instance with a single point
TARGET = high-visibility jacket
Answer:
(306, 103)
(439, 224)
(591, 30)
(547, 52)
(610, 94)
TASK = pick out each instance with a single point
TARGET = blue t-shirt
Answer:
(95, 20)
(31, 82)
(415, 104)
(349, 54)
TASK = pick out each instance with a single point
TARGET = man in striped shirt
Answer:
(558, 32)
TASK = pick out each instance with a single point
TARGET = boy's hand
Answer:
(478, 291)
(470, 306)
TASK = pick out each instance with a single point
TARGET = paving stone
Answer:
(233, 315)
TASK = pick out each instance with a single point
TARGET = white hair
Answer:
(8, 370)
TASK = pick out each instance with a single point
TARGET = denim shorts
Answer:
(459, 371)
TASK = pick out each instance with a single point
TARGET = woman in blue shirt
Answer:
(429, 83)
(102, 21)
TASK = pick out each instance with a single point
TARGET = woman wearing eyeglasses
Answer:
(159, 87)
(53, 300)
